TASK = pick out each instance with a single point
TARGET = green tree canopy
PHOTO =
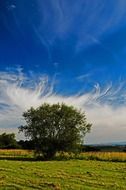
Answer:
(8, 141)
(56, 127)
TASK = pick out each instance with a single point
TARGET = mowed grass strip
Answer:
(15, 153)
(105, 156)
(62, 175)
(101, 156)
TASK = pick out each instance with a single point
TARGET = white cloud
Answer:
(103, 106)
(11, 7)
(83, 77)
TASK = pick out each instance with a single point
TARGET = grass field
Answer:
(62, 175)
(85, 171)
(74, 174)
(15, 153)
(101, 156)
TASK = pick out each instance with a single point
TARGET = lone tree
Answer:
(53, 128)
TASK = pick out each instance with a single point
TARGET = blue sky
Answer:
(64, 51)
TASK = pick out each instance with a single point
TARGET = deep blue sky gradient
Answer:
(65, 38)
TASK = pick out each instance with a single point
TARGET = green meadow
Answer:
(62, 175)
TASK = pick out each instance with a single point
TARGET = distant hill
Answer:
(119, 143)
(106, 147)
(110, 144)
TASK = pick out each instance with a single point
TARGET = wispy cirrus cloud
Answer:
(105, 106)
(92, 19)
(86, 20)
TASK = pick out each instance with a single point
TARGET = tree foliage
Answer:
(8, 141)
(56, 127)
